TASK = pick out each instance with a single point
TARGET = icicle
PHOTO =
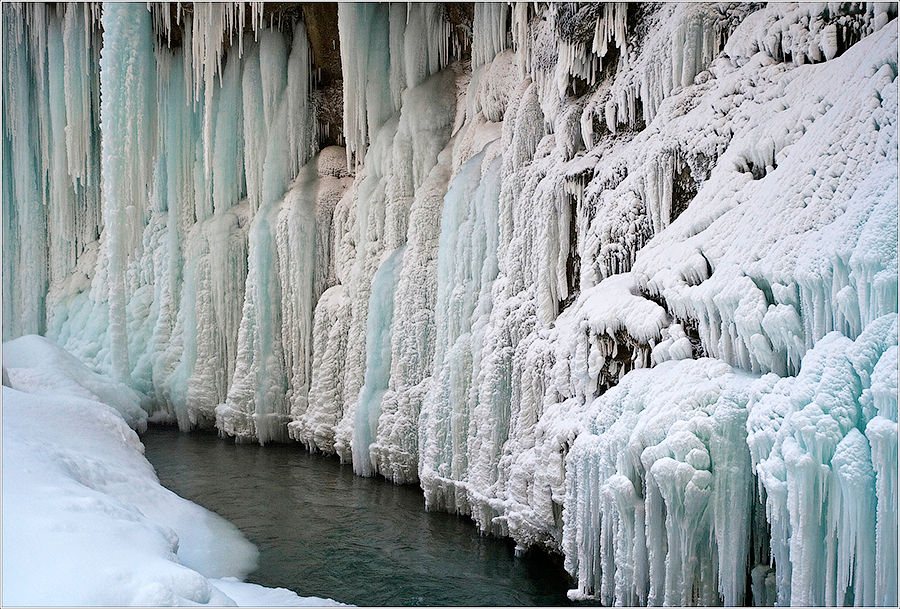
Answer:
(226, 163)
(398, 19)
(298, 93)
(255, 132)
(62, 222)
(365, 62)
(77, 75)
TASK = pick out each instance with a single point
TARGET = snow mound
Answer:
(38, 365)
(85, 520)
(98, 527)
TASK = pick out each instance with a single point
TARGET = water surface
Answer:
(322, 531)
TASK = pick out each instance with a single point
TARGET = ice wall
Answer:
(604, 167)
(176, 278)
(615, 280)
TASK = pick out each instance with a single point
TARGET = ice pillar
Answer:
(126, 80)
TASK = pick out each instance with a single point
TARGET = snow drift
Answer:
(85, 521)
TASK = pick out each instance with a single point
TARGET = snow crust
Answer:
(623, 286)
(85, 521)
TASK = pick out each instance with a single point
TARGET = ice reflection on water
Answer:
(322, 531)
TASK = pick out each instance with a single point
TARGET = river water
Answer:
(323, 531)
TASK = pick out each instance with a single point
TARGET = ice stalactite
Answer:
(666, 60)
(816, 474)
(52, 58)
(881, 432)
(490, 25)
(384, 50)
(25, 275)
(810, 33)
(61, 228)
(822, 279)
(193, 133)
(299, 94)
(365, 59)
(582, 55)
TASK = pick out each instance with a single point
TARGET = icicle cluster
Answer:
(659, 490)
(821, 452)
(386, 49)
(51, 178)
(196, 161)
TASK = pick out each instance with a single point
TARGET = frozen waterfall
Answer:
(618, 281)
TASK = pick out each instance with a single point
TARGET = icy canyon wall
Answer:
(616, 280)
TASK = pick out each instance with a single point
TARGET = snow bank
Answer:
(85, 521)
(38, 365)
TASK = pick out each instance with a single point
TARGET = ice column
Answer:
(24, 222)
(378, 361)
(273, 346)
(126, 118)
(296, 244)
(467, 266)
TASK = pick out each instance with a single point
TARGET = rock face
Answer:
(616, 280)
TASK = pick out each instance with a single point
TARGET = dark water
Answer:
(322, 531)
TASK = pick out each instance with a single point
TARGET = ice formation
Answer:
(616, 280)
